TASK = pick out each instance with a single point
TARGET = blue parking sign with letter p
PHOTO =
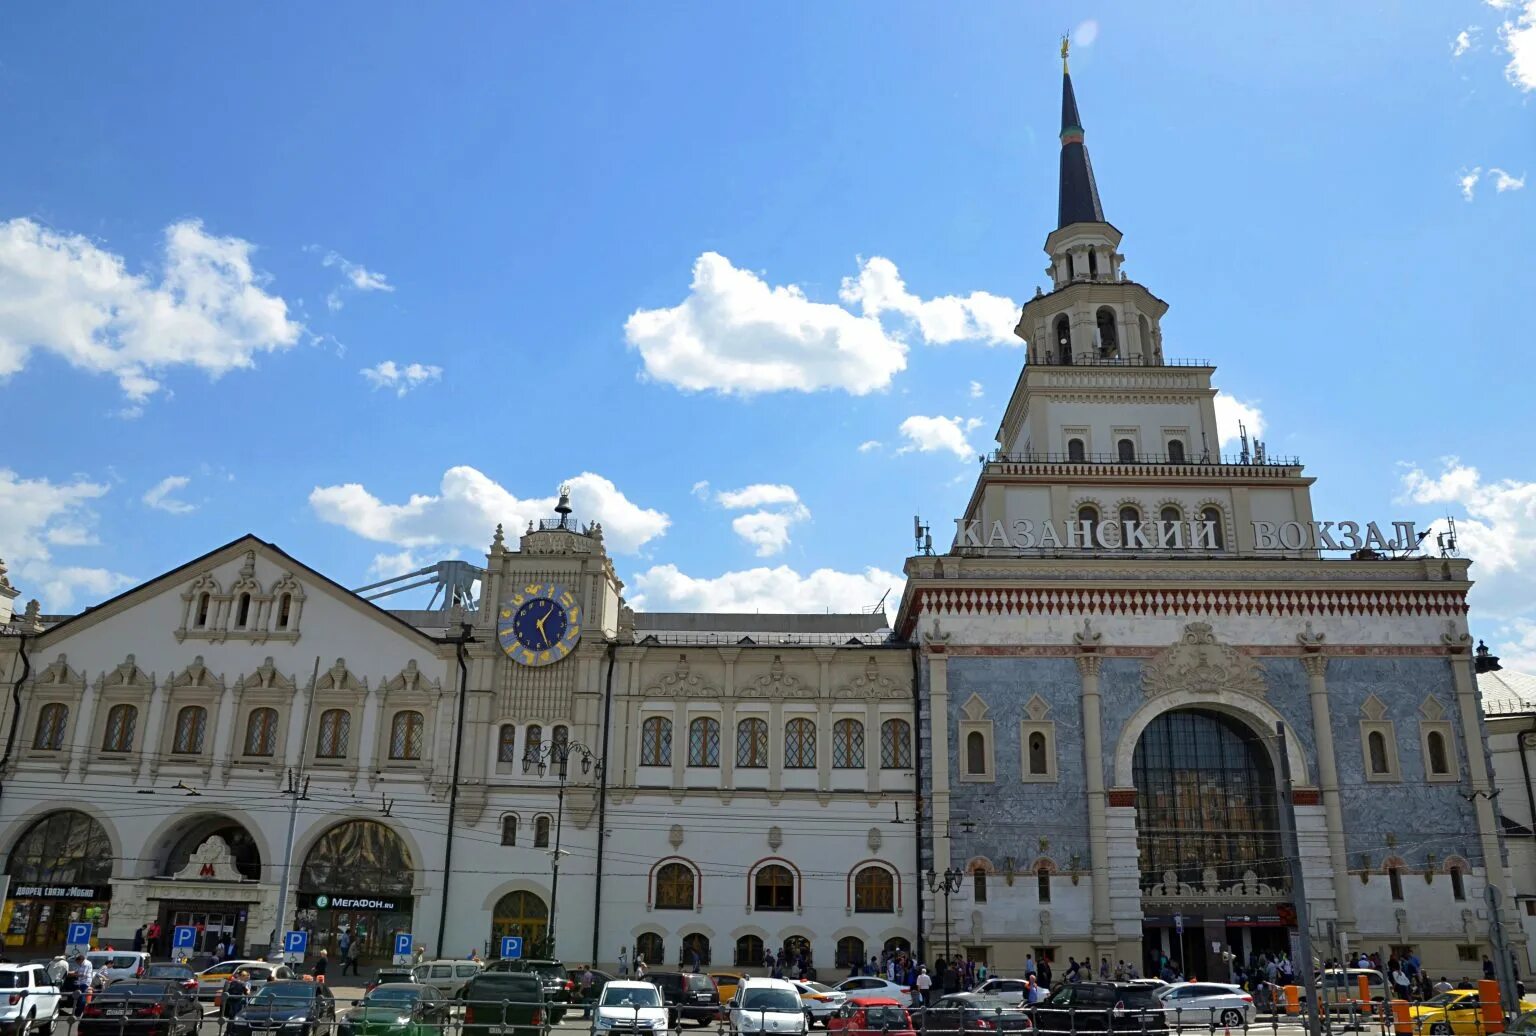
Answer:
(511, 947)
(78, 934)
(296, 942)
(403, 942)
(184, 937)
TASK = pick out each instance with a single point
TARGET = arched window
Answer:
(520, 913)
(749, 951)
(704, 742)
(656, 742)
(874, 891)
(1148, 351)
(284, 610)
(896, 944)
(979, 885)
(506, 743)
(1458, 885)
(1212, 516)
(975, 753)
(405, 735)
(51, 721)
(1376, 746)
(261, 732)
(1175, 451)
(773, 888)
(674, 887)
(1170, 531)
(335, 732)
(800, 744)
(203, 601)
(895, 744)
(1093, 262)
(1088, 522)
(1171, 514)
(1063, 337)
(1130, 518)
(651, 949)
(1109, 338)
(1439, 759)
(695, 950)
(191, 726)
(533, 741)
(541, 831)
(369, 852)
(847, 745)
(1039, 762)
(560, 743)
(1076, 452)
(243, 611)
(119, 733)
(1126, 450)
(509, 829)
(65, 847)
(850, 952)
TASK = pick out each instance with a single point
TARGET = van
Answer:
(1341, 986)
(504, 1003)
(767, 1005)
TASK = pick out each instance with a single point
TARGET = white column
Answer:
(1316, 664)
(1088, 665)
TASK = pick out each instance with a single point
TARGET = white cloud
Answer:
(780, 589)
(870, 445)
(976, 390)
(62, 294)
(1504, 182)
(735, 333)
(1463, 41)
(358, 278)
(37, 515)
(1085, 33)
(1467, 181)
(879, 289)
(1518, 36)
(387, 566)
(766, 530)
(701, 489)
(937, 434)
(1230, 411)
(468, 506)
(159, 497)
(1501, 5)
(758, 495)
(390, 375)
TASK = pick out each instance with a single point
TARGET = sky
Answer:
(365, 280)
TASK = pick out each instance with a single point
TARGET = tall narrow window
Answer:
(975, 753)
(51, 720)
(560, 744)
(704, 742)
(1130, 519)
(506, 743)
(1126, 449)
(1093, 262)
(1043, 885)
(979, 885)
(1439, 759)
(533, 742)
(656, 742)
(1109, 337)
(1458, 885)
(509, 829)
(335, 731)
(1376, 746)
(1212, 516)
(284, 608)
(203, 602)
(752, 744)
(847, 745)
(799, 745)
(119, 733)
(895, 744)
(1076, 452)
(1395, 883)
(1063, 338)
(1175, 451)
(1087, 524)
(243, 611)
(405, 735)
(1039, 763)
(191, 726)
(541, 831)
(261, 732)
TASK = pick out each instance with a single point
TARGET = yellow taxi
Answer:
(1457, 1012)
(726, 982)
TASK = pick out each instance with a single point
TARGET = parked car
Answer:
(1524, 1025)
(820, 1000)
(1458, 1011)
(871, 1016)
(1101, 1007)
(692, 998)
(1012, 990)
(386, 975)
(559, 990)
(967, 1013)
(726, 983)
(29, 999)
(210, 981)
(179, 973)
(767, 1005)
(398, 1009)
(449, 976)
(291, 1007)
(630, 1007)
(504, 1003)
(586, 996)
(1206, 1004)
(869, 985)
(112, 965)
(1341, 986)
(143, 1007)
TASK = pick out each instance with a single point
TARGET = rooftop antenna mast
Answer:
(922, 537)
(1447, 539)
(1242, 434)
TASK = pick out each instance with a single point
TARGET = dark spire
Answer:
(1078, 200)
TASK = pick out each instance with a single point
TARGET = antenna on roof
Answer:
(922, 537)
(880, 606)
(1447, 539)
(1242, 434)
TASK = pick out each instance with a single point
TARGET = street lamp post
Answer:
(945, 884)
(557, 754)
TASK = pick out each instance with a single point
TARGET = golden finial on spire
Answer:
(1066, 42)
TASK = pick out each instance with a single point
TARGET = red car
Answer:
(871, 1016)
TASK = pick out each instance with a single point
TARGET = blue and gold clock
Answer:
(539, 625)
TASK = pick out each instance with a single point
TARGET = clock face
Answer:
(540, 624)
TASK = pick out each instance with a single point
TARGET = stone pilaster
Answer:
(1316, 665)
(1459, 647)
(1089, 663)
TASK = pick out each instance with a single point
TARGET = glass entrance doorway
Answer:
(215, 923)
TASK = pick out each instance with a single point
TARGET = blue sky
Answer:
(363, 279)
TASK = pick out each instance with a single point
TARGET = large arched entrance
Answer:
(357, 880)
(1208, 838)
(61, 871)
(525, 914)
(206, 852)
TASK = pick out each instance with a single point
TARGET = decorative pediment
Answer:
(681, 682)
(1199, 663)
(198, 675)
(213, 861)
(128, 675)
(59, 674)
(266, 678)
(246, 583)
(870, 684)
(974, 709)
(339, 678)
(1374, 709)
(288, 585)
(1432, 709)
(776, 683)
(203, 584)
(410, 680)
(1037, 709)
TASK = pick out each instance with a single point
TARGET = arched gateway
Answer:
(357, 879)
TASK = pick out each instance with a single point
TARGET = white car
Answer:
(819, 1000)
(29, 999)
(869, 985)
(1013, 990)
(767, 1005)
(629, 1007)
(112, 965)
(1205, 1004)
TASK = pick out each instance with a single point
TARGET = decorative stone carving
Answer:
(1089, 639)
(1373, 709)
(1199, 663)
(938, 640)
(127, 675)
(872, 685)
(974, 709)
(775, 837)
(1037, 709)
(197, 675)
(213, 861)
(340, 678)
(59, 673)
(875, 839)
(410, 680)
(776, 683)
(1455, 641)
(675, 835)
(266, 678)
(1247, 889)
(682, 683)
(1045, 926)
(1432, 709)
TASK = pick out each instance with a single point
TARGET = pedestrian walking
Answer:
(623, 963)
(320, 966)
(354, 951)
(235, 991)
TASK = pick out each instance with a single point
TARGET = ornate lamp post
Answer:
(557, 755)
(945, 884)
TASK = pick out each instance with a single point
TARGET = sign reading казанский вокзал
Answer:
(1193, 534)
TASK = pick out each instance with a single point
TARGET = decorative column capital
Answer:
(1089, 665)
(1314, 661)
(1088, 642)
(1315, 665)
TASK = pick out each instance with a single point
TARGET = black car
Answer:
(504, 1003)
(1101, 1007)
(178, 973)
(141, 1007)
(969, 1012)
(296, 1008)
(558, 988)
(691, 997)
